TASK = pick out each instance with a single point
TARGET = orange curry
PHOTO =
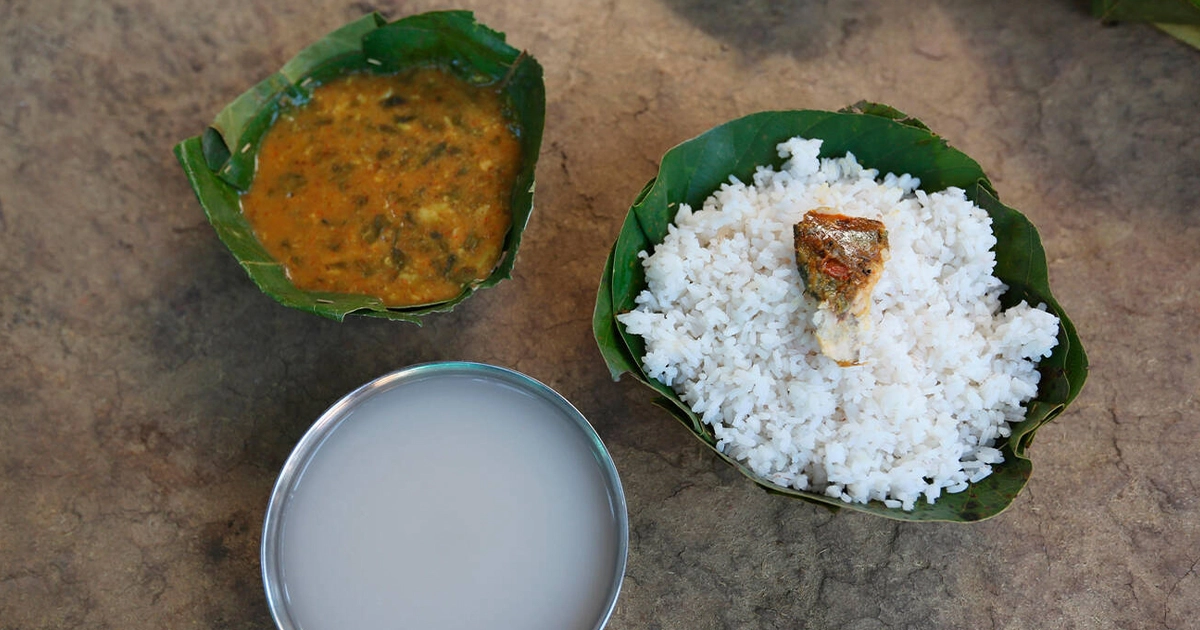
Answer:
(394, 186)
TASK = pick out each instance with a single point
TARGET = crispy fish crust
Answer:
(840, 259)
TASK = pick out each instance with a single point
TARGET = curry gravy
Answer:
(394, 186)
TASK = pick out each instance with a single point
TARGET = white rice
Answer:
(943, 370)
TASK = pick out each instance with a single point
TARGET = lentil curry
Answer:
(394, 186)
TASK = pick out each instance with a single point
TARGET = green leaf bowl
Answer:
(886, 139)
(220, 162)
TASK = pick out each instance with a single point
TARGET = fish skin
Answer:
(840, 259)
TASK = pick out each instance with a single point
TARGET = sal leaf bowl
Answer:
(882, 138)
(220, 162)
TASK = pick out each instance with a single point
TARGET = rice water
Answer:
(450, 502)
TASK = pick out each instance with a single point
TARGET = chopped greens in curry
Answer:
(395, 186)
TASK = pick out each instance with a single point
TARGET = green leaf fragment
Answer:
(1166, 11)
(1186, 33)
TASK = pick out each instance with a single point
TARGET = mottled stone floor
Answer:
(150, 392)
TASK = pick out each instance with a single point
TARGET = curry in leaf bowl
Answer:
(840, 307)
(387, 170)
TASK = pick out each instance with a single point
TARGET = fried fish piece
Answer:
(840, 259)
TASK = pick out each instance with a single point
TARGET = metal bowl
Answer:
(335, 482)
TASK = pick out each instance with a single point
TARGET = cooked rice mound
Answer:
(943, 370)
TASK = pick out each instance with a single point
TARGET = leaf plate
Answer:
(220, 162)
(886, 139)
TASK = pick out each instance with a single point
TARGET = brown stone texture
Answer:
(149, 393)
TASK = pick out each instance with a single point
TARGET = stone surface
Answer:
(150, 392)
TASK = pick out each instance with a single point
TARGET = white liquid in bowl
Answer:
(451, 502)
